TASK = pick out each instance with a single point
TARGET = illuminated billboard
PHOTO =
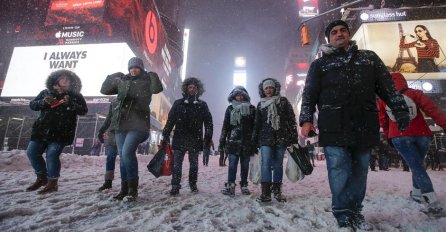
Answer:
(308, 8)
(415, 48)
(66, 12)
(30, 66)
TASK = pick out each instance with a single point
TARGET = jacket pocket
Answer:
(331, 118)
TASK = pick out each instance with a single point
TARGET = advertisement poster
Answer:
(415, 48)
(65, 12)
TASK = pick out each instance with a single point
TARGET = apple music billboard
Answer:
(30, 66)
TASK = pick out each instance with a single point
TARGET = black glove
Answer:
(402, 119)
(101, 137)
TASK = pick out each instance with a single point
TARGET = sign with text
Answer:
(30, 66)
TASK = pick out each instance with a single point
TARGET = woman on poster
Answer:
(427, 49)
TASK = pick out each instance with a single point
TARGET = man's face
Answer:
(339, 36)
(191, 89)
(135, 71)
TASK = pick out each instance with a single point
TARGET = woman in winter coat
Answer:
(235, 139)
(131, 118)
(275, 129)
(59, 105)
(413, 143)
(188, 115)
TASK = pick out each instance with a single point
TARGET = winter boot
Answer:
(244, 189)
(415, 195)
(433, 205)
(359, 222)
(175, 191)
(124, 191)
(50, 187)
(277, 191)
(193, 187)
(41, 180)
(133, 190)
(109, 176)
(229, 189)
(266, 193)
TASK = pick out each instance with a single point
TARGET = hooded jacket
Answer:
(236, 139)
(417, 126)
(188, 115)
(264, 134)
(57, 123)
(134, 97)
(343, 85)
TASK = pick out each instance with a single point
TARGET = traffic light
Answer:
(304, 36)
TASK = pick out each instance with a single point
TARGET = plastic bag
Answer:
(293, 171)
(166, 168)
(254, 169)
(301, 157)
(157, 161)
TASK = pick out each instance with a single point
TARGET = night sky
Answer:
(220, 30)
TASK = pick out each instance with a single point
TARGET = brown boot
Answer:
(50, 187)
(40, 181)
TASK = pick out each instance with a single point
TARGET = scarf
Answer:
(273, 116)
(239, 109)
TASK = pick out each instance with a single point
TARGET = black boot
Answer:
(266, 193)
(124, 191)
(193, 187)
(107, 185)
(41, 180)
(133, 190)
(175, 190)
(277, 191)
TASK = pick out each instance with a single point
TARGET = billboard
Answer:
(30, 66)
(415, 48)
(308, 8)
(66, 12)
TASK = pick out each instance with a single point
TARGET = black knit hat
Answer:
(136, 62)
(334, 24)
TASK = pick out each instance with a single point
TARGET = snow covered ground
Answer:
(77, 206)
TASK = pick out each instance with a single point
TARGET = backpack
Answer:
(411, 105)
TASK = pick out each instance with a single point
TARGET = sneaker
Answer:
(229, 189)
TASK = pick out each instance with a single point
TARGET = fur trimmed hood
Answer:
(239, 90)
(54, 77)
(192, 80)
(276, 91)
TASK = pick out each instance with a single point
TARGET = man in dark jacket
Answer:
(131, 118)
(235, 139)
(188, 115)
(343, 83)
(59, 106)
(107, 137)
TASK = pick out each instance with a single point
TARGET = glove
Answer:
(50, 100)
(101, 137)
(402, 119)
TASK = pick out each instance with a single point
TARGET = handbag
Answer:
(167, 166)
(301, 157)
(156, 163)
(293, 171)
(254, 169)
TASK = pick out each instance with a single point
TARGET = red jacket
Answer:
(417, 126)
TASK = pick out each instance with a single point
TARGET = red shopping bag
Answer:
(166, 169)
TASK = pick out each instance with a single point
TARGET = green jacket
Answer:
(134, 97)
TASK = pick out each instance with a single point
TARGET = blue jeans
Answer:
(413, 149)
(178, 157)
(111, 151)
(272, 164)
(206, 153)
(347, 175)
(50, 169)
(127, 143)
(232, 169)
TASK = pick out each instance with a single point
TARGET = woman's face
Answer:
(421, 33)
(269, 91)
(239, 98)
